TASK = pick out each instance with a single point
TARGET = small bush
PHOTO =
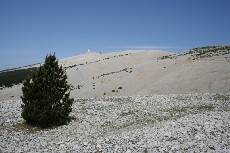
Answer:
(45, 97)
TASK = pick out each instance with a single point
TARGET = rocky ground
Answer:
(162, 123)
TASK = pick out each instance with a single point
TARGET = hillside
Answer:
(131, 101)
(199, 70)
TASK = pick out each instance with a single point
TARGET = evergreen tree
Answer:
(45, 97)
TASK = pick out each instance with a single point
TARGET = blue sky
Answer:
(30, 29)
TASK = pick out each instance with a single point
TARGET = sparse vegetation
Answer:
(201, 52)
(128, 70)
(205, 107)
(92, 62)
(24, 126)
(125, 113)
(78, 87)
(209, 51)
(222, 97)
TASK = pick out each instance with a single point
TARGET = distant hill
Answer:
(140, 72)
(23, 67)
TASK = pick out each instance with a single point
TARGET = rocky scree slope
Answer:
(162, 123)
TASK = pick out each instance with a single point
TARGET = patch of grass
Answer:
(25, 127)
(205, 107)
(127, 113)
(178, 110)
(132, 118)
(222, 97)
(182, 98)
(146, 150)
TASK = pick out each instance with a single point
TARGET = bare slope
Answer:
(146, 73)
(201, 70)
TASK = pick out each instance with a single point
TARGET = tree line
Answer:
(10, 78)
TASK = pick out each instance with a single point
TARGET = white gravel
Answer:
(162, 123)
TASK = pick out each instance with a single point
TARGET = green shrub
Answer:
(45, 97)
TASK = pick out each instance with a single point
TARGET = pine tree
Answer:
(45, 97)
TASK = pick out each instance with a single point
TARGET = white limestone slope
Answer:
(143, 73)
(140, 73)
